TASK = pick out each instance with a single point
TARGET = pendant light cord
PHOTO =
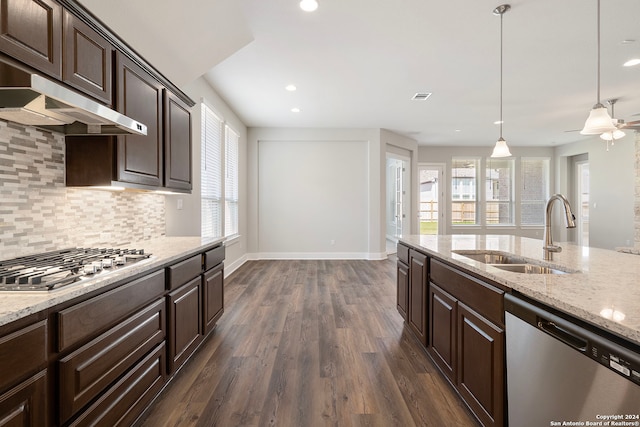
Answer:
(598, 76)
(501, 16)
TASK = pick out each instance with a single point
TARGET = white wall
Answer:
(312, 199)
(361, 234)
(186, 221)
(611, 188)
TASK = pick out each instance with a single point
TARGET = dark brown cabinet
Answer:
(139, 96)
(418, 281)
(481, 365)
(402, 276)
(23, 376)
(185, 327)
(31, 32)
(159, 160)
(212, 297)
(466, 339)
(443, 310)
(88, 59)
(185, 310)
(177, 145)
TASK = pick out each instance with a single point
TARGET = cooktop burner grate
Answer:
(52, 270)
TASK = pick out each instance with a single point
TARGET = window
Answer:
(499, 192)
(464, 191)
(211, 170)
(231, 183)
(535, 190)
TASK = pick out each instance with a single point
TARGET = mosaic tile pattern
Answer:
(38, 213)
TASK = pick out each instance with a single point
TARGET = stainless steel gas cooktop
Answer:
(52, 270)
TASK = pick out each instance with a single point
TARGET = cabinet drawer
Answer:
(213, 257)
(181, 273)
(124, 402)
(88, 371)
(484, 298)
(403, 253)
(22, 353)
(87, 319)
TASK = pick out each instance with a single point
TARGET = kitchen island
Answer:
(602, 287)
(454, 293)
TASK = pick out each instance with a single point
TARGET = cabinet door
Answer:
(185, 326)
(403, 289)
(177, 146)
(26, 404)
(212, 297)
(442, 330)
(88, 59)
(418, 295)
(31, 32)
(139, 97)
(481, 365)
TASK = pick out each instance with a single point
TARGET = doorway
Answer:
(398, 199)
(431, 177)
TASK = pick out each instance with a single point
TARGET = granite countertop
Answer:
(603, 288)
(164, 251)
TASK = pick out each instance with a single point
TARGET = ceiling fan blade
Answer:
(573, 130)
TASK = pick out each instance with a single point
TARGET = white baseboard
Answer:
(317, 255)
(231, 267)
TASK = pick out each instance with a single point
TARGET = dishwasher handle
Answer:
(563, 335)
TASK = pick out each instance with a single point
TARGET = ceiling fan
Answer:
(618, 123)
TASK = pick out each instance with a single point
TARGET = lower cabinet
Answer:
(402, 275)
(417, 305)
(23, 376)
(102, 360)
(185, 327)
(212, 297)
(25, 404)
(464, 343)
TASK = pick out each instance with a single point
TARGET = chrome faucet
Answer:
(549, 247)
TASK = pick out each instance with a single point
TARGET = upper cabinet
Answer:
(31, 32)
(139, 97)
(88, 59)
(160, 160)
(177, 146)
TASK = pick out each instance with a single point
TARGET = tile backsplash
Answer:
(38, 213)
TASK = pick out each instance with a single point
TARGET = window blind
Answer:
(231, 182)
(211, 172)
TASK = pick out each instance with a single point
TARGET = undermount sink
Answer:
(510, 262)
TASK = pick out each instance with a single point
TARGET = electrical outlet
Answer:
(179, 204)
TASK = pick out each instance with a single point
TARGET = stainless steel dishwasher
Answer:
(561, 370)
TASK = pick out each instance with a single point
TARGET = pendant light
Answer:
(599, 120)
(501, 149)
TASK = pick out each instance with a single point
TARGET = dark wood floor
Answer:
(310, 343)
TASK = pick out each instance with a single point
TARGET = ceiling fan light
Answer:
(501, 149)
(612, 136)
(598, 122)
(308, 5)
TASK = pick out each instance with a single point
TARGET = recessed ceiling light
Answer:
(421, 96)
(632, 62)
(291, 88)
(295, 110)
(628, 41)
(498, 122)
(458, 130)
(308, 5)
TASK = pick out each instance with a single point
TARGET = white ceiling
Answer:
(357, 63)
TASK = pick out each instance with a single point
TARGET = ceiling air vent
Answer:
(421, 96)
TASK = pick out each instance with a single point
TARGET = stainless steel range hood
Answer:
(31, 99)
